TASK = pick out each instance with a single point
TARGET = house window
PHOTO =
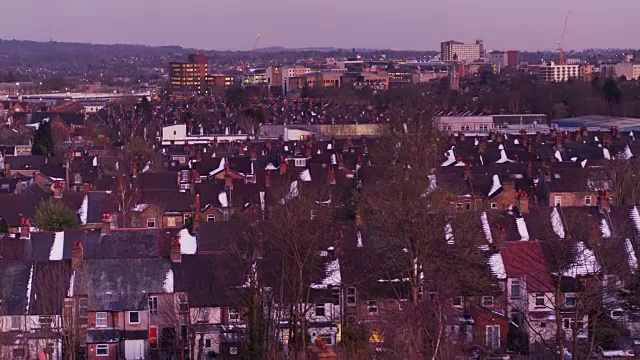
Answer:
(134, 317)
(587, 200)
(539, 299)
(493, 336)
(314, 214)
(153, 304)
(211, 218)
(225, 215)
(301, 162)
(516, 289)
(203, 315)
(566, 323)
(207, 343)
(372, 307)
(327, 338)
(557, 200)
(570, 300)
(233, 351)
(335, 295)
(487, 301)
(16, 322)
(102, 350)
(171, 221)
(457, 301)
(234, 315)
(494, 206)
(185, 218)
(151, 222)
(351, 296)
(320, 310)
(101, 319)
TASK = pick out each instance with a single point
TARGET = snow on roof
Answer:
(83, 210)
(556, 223)
(618, 353)
(448, 234)
(334, 159)
(57, 248)
(631, 255)
(71, 284)
(522, 229)
(604, 227)
(585, 262)
(627, 154)
(168, 282)
(635, 216)
(332, 276)
(451, 157)
(222, 198)
(496, 185)
(220, 167)
(359, 239)
(606, 153)
(485, 227)
(188, 242)
(140, 207)
(497, 266)
(270, 166)
(583, 163)
(29, 288)
(433, 183)
(305, 175)
(293, 192)
(558, 155)
(503, 158)
(95, 161)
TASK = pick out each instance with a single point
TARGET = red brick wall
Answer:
(573, 199)
(113, 352)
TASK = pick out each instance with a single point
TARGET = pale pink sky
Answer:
(397, 24)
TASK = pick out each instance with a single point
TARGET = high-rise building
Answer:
(513, 58)
(551, 72)
(457, 51)
(189, 76)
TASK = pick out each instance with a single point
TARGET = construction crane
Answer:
(561, 41)
(245, 64)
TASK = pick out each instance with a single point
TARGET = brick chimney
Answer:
(77, 255)
(196, 218)
(508, 186)
(523, 202)
(332, 176)
(19, 186)
(267, 179)
(338, 242)
(340, 162)
(253, 156)
(595, 234)
(359, 220)
(134, 169)
(175, 254)
(7, 168)
(500, 237)
(25, 229)
(603, 201)
(57, 190)
(105, 229)
(283, 165)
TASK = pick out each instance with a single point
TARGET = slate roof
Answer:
(14, 277)
(120, 284)
(525, 259)
(158, 181)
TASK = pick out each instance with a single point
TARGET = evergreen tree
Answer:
(43, 140)
(53, 215)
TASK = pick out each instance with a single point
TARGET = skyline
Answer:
(406, 25)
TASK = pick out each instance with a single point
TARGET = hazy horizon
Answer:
(402, 25)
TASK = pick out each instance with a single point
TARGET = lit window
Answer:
(101, 319)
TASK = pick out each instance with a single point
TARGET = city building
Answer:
(457, 51)
(292, 71)
(551, 72)
(255, 77)
(220, 80)
(189, 76)
(631, 71)
(513, 59)
(274, 76)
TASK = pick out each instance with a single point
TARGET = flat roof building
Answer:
(189, 76)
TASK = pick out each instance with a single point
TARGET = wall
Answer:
(573, 198)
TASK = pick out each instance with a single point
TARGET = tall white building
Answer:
(551, 72)
(457, 51)
(497, 58)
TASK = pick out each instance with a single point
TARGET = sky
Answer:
(397, 24)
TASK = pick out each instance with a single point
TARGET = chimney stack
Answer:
(594, 234)
(283, 165)
(508, 186)
(603, 201)
(19, 186)
(57, 190)
(340, 162)
(338, 242)
(25, 229)
(196, 216)
(501, 237)
(134, 170)
(253, 155)
(77, 255)
(7, 168)
(175, 254)
(523, 202)
(267, 179)
(106, 224)
(332, 176)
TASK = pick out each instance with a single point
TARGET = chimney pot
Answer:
(106, 224)
(25, 229)
(175, 254)
(77, 255)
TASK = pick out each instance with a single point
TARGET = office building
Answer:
(457, 51)
(189, 76)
